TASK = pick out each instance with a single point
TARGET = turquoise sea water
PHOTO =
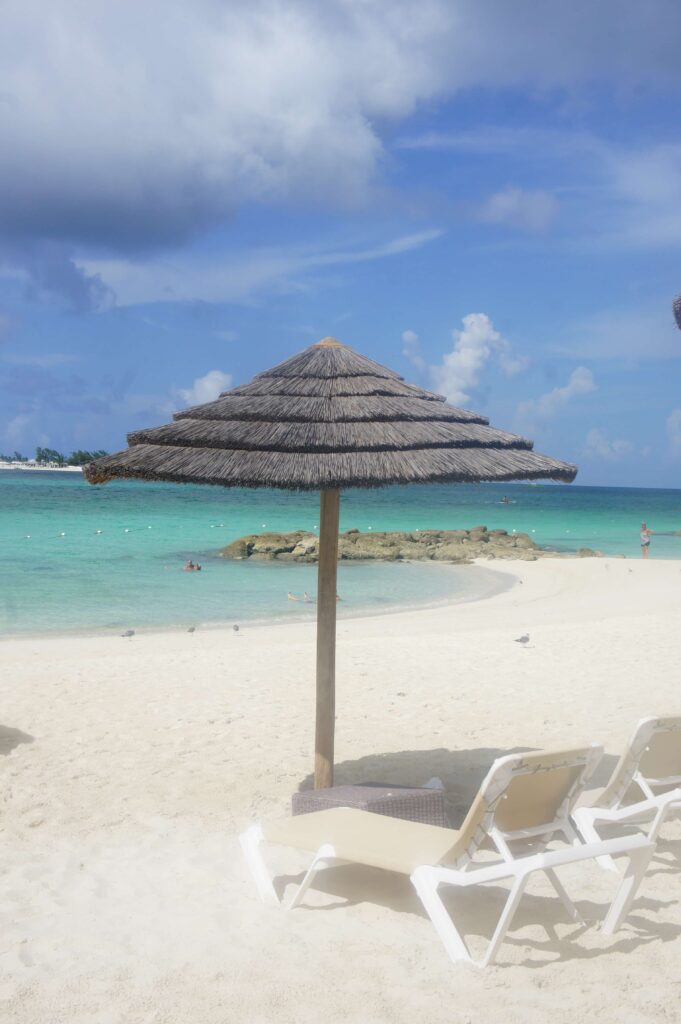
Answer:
(83, 558)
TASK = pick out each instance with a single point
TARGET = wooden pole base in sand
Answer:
(326, 638)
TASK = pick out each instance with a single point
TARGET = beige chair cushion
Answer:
(366, 838)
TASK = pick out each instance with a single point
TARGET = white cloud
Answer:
(545, 407)
(529, 209)
(474, 348)
(597, 445)
(411, 349)
(205, 389)
(142, 123)
(143, 126)
(674, 431)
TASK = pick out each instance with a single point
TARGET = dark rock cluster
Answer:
(419, 545)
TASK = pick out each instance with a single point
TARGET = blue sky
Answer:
(484, 196)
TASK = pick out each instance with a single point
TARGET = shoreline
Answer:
(497, 581)
(505, 585)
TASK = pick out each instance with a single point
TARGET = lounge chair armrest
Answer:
(523, 866)
(650, 804)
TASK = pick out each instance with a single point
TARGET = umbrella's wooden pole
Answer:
(326, 638)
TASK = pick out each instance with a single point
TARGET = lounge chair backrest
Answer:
(654, 750)
(526, 791)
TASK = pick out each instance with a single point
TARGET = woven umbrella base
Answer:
(424, 805)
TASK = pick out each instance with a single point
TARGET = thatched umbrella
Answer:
(326, 419)
(676, 306)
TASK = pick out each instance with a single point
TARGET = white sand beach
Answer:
(129, 766)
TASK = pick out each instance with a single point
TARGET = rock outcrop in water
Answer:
(419, 545)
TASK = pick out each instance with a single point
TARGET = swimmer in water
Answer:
(292, 597)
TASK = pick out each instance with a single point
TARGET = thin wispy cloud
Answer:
(550, 404)
(242, 276)
(411, 350)
(43, 361)
(628, 334)
(599, 446)
(618, 195)
(15, 429)
(673, 425)
(528, 209)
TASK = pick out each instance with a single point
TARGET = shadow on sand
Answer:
(461, 772)
(11, 738)
(477, 911)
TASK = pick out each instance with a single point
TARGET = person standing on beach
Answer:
(645, 540)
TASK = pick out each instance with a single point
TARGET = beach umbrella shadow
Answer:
(11, 738)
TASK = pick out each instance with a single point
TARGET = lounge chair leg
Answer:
(505, 920)
(571, 834)
(567, 902)
(502, 846)
(658, 821)
(643, 785)
(425, 881)
(585, 824)
(325, 857)
(250, 844)
(637, 864)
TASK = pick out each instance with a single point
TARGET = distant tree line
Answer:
(50, 456)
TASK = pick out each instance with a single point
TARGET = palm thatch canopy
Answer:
(676, 306)
(328, 418)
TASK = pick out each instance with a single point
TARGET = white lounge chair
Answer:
(522, 803)
(651, 763)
